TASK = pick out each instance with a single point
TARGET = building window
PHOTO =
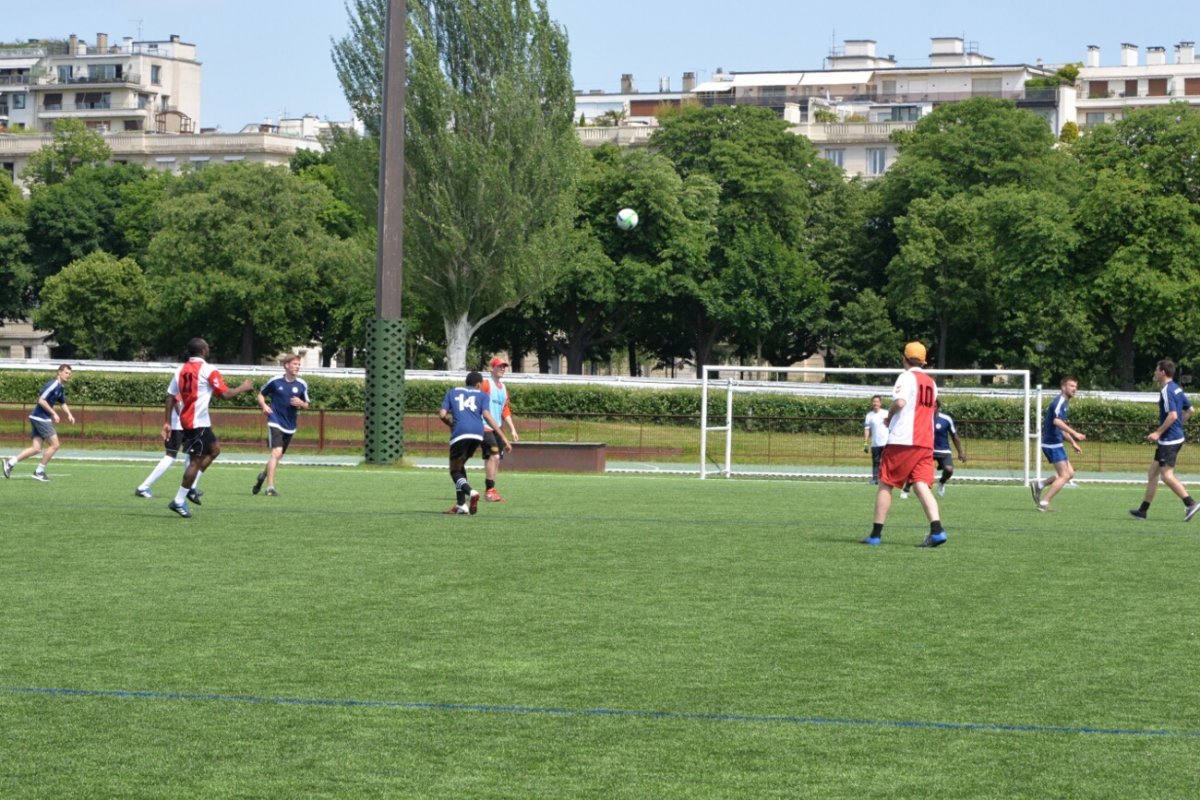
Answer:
(92, 101)
(18, 101)
(165, 102)
(53, 102)
(143, 101)
(1191, 86)
(1156, 87)
(837, 155)
(876, 160)
(156, 74)
(1131, 88)
(64, 75)
(1094, 118)
(133, 124)
(905, 114)
(103, 72)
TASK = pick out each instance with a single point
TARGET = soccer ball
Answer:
(627, 219)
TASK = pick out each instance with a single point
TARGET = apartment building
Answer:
(1107, 93)
(130, 86)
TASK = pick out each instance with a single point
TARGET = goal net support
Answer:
(808, 422)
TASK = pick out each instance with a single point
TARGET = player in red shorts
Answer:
(908, 456)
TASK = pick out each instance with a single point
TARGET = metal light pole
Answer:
(384, 423)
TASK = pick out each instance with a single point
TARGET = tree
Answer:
(617, 279)
(15, 273)
(97, 306)
(236, 260)
(81, 214)
(1138, 223)
(73, 146)
(865, 336)
(770, 184)
(492, 158)
(358, 60)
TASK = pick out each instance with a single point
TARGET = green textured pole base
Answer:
(383, 428)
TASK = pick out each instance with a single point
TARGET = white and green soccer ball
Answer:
(627, 219)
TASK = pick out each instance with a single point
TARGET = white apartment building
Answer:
(1107, 93)
(850, 109)
(151, 86)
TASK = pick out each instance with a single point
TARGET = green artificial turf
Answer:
(597, 637)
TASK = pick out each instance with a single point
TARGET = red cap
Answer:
(498, 362)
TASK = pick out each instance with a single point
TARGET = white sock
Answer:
(162, 466)
(180, 496)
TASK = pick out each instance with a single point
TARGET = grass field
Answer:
(594, 637)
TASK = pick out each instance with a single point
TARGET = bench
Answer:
(555, 457)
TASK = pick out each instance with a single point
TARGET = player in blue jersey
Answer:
(943, 433)
(465, 411)
(1055, 434)
(287, 395)
(42, 420)
(1174, 409)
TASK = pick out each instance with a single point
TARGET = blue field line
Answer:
(601, 712)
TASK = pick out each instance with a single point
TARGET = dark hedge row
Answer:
(990, 418)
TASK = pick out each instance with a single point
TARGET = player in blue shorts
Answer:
(465, 410)
(288, 394)
(1174, 409)
(1055, 434)
(42, 420)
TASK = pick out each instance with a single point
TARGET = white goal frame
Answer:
(710, 380)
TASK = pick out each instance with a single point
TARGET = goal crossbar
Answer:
(711, 381)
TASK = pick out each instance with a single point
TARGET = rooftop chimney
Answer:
(689, 81)
(72, 45)
(627, 84)
(1093, 56)
(1129, 54)
(1156, 56)
(101, 42)
(1185, 53)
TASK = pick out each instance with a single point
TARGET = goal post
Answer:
(807, 422)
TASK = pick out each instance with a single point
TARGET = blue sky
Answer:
(265, 58)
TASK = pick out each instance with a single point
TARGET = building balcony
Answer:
(851, 132)
(52, 81)
(620, 135)
(54, 110)
(14, 80)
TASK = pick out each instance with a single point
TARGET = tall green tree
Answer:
(237, 260)
(492, 159)
(770, 181)
(617, 281)
(16, 276)
(358, 60)
(73, 146)
(81, 214)
(1138, 220)
(97, 306)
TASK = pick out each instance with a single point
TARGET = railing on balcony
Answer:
(14, 80)
(92, 80)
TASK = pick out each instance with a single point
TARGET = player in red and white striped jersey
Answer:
(189, 394)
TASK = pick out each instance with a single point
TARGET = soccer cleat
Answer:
(1043, 505)
(180, 508)
(140, 492)
(7, 468)
(474, 502)
(941, 490)
(1137, 513)
(934, 540)
(1192, 510)
(903, 495)
(873, 541)
(258, 482)
(1035, 489)
(194, 496)
(41, 476)
(271, 492)
(457, 510)
(493, 496)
